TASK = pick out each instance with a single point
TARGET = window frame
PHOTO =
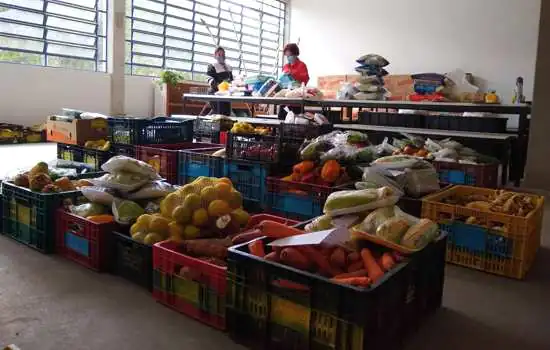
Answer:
(100, 40)
(196, 61)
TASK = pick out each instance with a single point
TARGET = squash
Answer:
(331, 171)
(304, 167)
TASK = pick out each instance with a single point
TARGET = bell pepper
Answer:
(304, 167)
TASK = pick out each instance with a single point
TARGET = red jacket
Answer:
(297, 70)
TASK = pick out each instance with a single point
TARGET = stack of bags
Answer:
(371, 83)
(428, 87)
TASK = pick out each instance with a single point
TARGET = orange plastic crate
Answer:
(509, 251)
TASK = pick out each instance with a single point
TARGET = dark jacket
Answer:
(217, 73)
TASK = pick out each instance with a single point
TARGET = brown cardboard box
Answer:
(400, 86)
(76, 131)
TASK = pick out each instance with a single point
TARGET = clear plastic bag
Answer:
(88, 209)
(122, 181)
(376, 218)
(99, 195)
(119, 164)
(422, 181)
(395, 162)
(126, 212)
(380, 178)
(155, 189)
(346, 91)
(358, 201)
(373, 60)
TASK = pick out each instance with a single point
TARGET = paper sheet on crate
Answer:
(337, 236)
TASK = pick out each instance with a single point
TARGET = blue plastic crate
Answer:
(301, 207)
(456, 177)
(248, 178)
(199, 162)
(478, 240)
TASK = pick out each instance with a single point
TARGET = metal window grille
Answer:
(171, 35)
(55, 33)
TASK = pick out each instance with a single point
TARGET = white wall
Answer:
(493, 39)
(30, 93)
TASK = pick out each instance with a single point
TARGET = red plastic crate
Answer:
(164, 158)
(201, 293)
(223, 137)
(83, 241)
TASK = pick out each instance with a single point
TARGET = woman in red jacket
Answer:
(297, 70)
(294, 67)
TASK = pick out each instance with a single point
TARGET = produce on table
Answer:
(100, 145)
(501, 201)
(246, 128)
(207, 207)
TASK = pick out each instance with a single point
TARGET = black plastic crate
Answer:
(29, 217)
(133, 260)
(392, 119)
(479, 124)
(123, 150)
(207, 130)
(300, 132)
(161, 130)
(94, 158)
(256, 148)
(319, 314)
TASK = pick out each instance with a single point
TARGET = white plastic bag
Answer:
(100, 195)
(395, 162)
(119, 164)
(421, 181)
(155, 189)
(379, 178)
(358, 201)
(122, 181)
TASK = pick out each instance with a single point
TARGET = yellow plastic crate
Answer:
(509, 251)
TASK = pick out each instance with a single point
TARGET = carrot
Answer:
(374, 270)
(319, 259)
(353, 257)
(387, 262)
(291, 285)
(358, 273)
(294, 258)
(216, 248)
(356, 266)
(257, 248)
(273, 256)
(101, 219)
(338, 257)
(275, 229)
(354, 281)
(247, 236)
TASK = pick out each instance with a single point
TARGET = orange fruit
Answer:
(218, 208)
(225, 180)
(223, 190)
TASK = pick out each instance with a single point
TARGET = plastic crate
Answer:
(392, 119)
(161, 130)
(29, 217)
(123, 150)
(478, 124)
(293, 136)
(321, 315)
(94, 158)
(256, 148)
(297, 200)
(165, 158)
(83, 241)
(199, 162)
(482, 175)
(248, 178)
(201, 292)
(133, 260)
(206, 129)
(508, 251)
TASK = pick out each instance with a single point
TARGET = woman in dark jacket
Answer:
(219, 72)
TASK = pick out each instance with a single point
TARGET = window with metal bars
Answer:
(182, 35)
(55, 33)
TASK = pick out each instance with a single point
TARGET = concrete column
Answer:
(116, 55)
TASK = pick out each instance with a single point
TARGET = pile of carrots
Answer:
(356, 268)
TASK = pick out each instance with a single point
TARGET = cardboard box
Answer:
(76, 131)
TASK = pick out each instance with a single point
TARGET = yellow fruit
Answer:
(138, 227)
(144, 220)
(175, 231)
(240, 216)
(159, 224)
(224, 190)
(152, 238)
(192, 201)
(225, 180)
(218, 208)
(208, 194)
(200, 217)
(235, 200)
(187, 189)
(191, 232)
(182, 214)
(139, 236)
(169, 203)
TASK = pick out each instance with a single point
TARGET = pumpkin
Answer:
(331, 171)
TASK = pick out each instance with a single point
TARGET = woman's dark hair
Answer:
(293, 48)
(219, 49)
